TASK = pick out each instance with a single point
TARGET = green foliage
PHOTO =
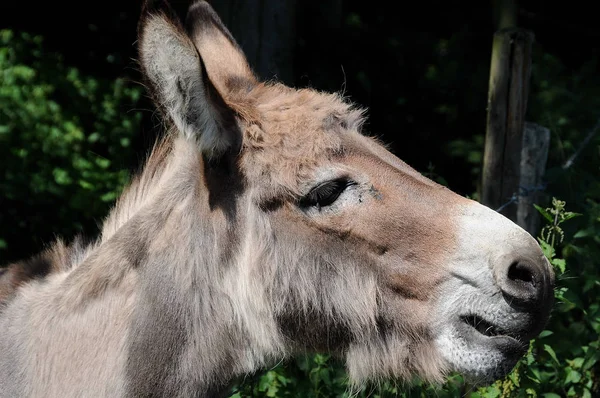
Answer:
(318, 375)
(308, 376)
(552, 233)
(62, 136)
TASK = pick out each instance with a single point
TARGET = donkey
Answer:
(264, 224)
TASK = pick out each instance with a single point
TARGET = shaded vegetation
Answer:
(65, 145)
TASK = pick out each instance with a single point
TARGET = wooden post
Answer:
(534, 155)
(507, 102)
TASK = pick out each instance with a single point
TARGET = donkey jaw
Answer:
(480, 358)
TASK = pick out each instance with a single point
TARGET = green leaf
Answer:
(591, 358)
(584, 233)
(492, 392)
(514, 378)
(102, 162)
(61, 176)
(573, 376)
(545, 333)
(550, 351)
(577, 362)
(544, 213)
(86, 185)
(550, 395)
(108, 197)
(94, 137)
(282, 379)
(324, 376)
(272, 391)
(265, 382)
(548, 250)
(560, 264)
(535, 375)
(569, 214)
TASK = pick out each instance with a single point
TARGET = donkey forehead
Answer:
(293, 136)
(290, 133)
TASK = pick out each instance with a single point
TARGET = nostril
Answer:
(525, 280)
(521, 273)
(521, 281)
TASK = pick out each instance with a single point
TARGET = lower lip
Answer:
(502, 342)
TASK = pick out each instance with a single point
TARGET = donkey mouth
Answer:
(488, 329)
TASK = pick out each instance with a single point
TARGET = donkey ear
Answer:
(225, 61)
(178, 81)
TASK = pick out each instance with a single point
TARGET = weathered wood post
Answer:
(507, 102)
(536, 143)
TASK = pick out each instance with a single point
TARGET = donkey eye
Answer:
(326, 193)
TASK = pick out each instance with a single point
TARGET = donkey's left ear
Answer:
(223, 58)
(179, 83)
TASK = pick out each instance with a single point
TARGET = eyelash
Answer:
(326, 193)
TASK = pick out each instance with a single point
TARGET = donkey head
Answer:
(331, 242)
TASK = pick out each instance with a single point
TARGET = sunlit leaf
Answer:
(544, 213)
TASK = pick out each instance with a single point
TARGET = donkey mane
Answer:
(141, 189)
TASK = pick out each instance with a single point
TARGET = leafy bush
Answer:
(61, 137)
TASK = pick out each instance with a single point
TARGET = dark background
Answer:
(379, 60)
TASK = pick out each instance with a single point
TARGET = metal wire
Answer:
(523, 193)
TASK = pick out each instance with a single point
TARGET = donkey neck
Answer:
(186, 248)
